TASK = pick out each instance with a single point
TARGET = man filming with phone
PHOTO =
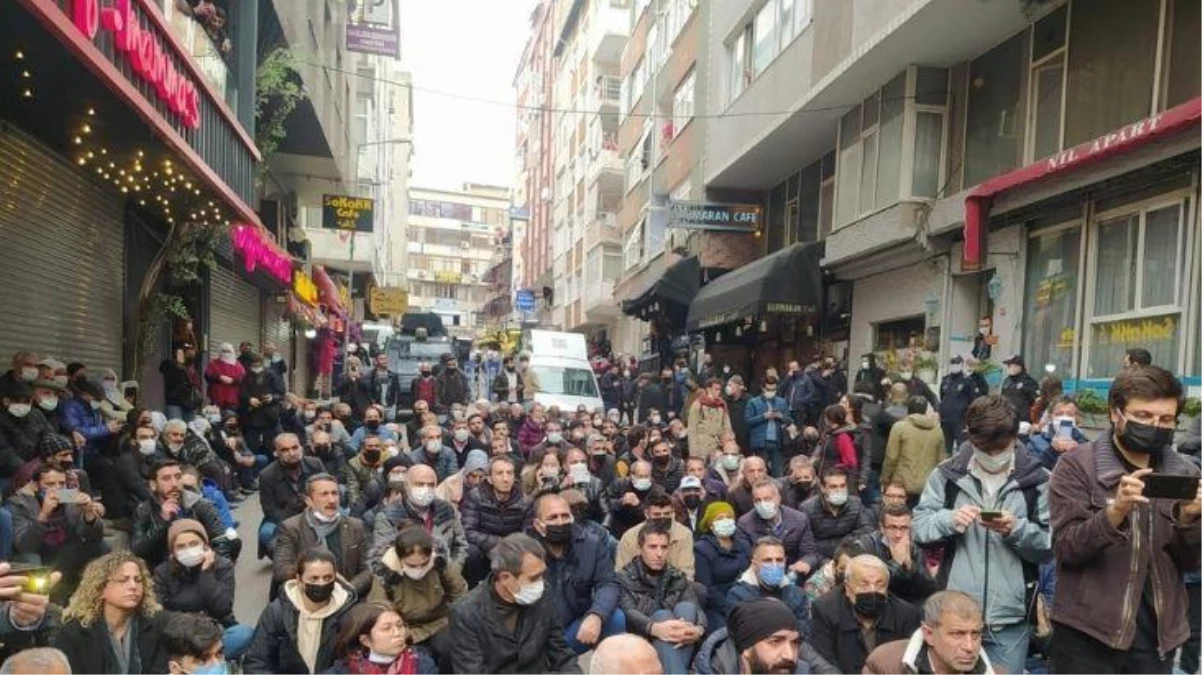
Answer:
(1125, 526)
(24, 602)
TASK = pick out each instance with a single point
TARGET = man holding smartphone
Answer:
(1119, 544)
(1061, 434)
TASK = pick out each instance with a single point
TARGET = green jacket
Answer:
(915, 448)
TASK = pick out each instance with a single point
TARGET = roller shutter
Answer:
(235, 311)
(63, 273)
(278, 329)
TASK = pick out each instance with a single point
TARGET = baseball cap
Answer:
(690, 482)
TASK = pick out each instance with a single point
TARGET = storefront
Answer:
(663, 302)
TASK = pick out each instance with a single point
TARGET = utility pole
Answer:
(351, 257)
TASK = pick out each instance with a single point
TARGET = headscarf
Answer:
(227, 354)
(712, 512)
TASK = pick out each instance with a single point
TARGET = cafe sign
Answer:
(349, 214)
(715, 217)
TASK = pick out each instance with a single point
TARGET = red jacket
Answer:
(220, 394)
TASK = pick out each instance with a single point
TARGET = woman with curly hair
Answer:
(113, 623)
(374, 640)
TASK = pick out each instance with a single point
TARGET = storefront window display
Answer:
(1050, 318)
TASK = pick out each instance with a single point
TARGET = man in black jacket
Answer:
(580, 576)
(385, 387)
(1019, 388)
(957, 391)
(492, 510)
(182, 390)
(650, 397)
(508, 624)
(171, 502)
(259, 406)
(835, 514)
(450, 387)
(736, 402)
(909, 578)
(282, 487)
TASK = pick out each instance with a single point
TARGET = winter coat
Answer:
(486, 520)
(1041, 446)
(668, 476)
(21, 437)
(500, 387)
(29, 533)
(356, 475)
(680, 548)
(280, 496)
(706, 426)
(957, 391)
(621, 516)
(853, 519)
(89, 648)
(643, 595)
(451, 387)
(758, 425)
(195, 452)
(651, 396)
(449, 537)
(836, 634)
(385, 387)
(149, 538)
(444, 462)
(737, 408)
(294, 536)
(842, 447)
(78, 416)
(224, 396)
(717, 570)
(910, 656)
(129, 486)
(262, 386)
(1020, 391)
(792, 527)
(530, 435)
(209, 592)
(916, 446)
(481, 644)
(582, 580)
(983, 560)
(424, 603)
(274, 649)
(718, 656)
(914, 583)
(181, 385)
(748, 588)
(355, 392)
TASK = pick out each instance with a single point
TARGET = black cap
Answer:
(1016, 360)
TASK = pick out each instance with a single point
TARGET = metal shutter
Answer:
(63, 273)
(235, 311)
(278, 329)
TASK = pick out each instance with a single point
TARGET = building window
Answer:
(850, 154)
(899, 334)
(766, 38)
(775, 25)
(1050, 314)
(611, 263)
(740, 74)
(632, 250)
(682, 104)
(826, 196)
(994, 91)
(1046, 81)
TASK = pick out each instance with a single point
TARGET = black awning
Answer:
(788, 282)
(676, 286)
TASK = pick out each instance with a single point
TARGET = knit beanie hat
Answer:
(185, 525)
(712, 513)
(755, 620)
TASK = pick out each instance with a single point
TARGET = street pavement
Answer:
(252, 576)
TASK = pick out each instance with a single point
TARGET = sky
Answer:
(467, 48)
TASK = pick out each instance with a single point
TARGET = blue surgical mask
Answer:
(772, 574)
(218, 668)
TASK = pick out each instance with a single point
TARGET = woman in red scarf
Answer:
(708, 421)
(374, 640)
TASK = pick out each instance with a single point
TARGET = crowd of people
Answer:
(699, 522)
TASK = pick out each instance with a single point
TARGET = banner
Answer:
(388, 301)
(373, 27)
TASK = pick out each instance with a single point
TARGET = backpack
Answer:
(1030, 570)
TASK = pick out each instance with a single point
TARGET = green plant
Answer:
(1091, 402)
(926, 362)
(278, 90)
(1192, 407)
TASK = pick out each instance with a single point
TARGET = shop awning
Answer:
(327, 292)
(1135, 135)
(788, 282)
(677, 285)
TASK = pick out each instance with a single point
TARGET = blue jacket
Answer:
(718, 569)
(749, 588)
(1041, 447)
(211, 492)
(757, 424)
(383, 432)
(444, 463)
(77, 415)
(582, 581)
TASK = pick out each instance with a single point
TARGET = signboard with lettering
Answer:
(447, 277)
(388, 301)
(373, 27)
(524, 300)
(715, 217)
(350, 214)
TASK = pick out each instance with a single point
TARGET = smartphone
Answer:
(1064, 429)
(68, 496)
(37, 577)
(988, 516)
(1170, 486)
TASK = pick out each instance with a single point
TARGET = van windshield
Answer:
(565, 381)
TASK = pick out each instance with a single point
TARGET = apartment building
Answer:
(984, 178)
(452, 237)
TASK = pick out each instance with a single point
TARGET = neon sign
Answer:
(145, 53)
(258, 252)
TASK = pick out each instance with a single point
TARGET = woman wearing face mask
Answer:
(531, 434)
(113, 406)
(128, 485)
(421, 585)
(842, 446)
(374, 640)
(296, 631)
(224, 375)
(721, 558)
(195, 579)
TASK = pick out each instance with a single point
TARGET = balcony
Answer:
(196, 42)
(609, 28)
(607, 89)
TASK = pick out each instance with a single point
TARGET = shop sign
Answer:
(447, 277)
(388, 301)
(446, 305)
(787, 308)
(304, 288)
(258, 252)
(145, 53)
(525, 300)
(373, 27)
(344, 296)
(1115, 140)
(715, 217)
(1137, 331)
(350, 214)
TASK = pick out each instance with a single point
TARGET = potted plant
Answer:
(926, 367)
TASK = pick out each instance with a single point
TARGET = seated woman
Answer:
(195, 579)
(420, 585)
(373, 639)
(296, 631)
(113, 623)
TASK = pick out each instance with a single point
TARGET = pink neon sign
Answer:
(259, 252)
(145, 53)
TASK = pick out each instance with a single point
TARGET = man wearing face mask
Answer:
(509, 623)
(434, 453)
(690, 500)
(579, 577)
(666, 469)
(627, 496)
(322, 525)
(55, 451)
(24, 369)
(182, 389)
(767, 417)
(988, 505)
(22, 424)
(420, 505)
(1019, 388)
(850, 622)
(462, 441)
(373, 425)
(737, 398)
(1112, 541)
(81, 415)
(363, 468)
(658, 512)
(957, 391)
(509, 386)
(171, 503)
(769, 518)
(767, 577)
(871, 373)
(799, 485)
(835, 514)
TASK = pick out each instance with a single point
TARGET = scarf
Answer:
(708, 402)
(404, 664)
(322, 530)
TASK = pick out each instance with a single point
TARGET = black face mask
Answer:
(319, 592)
(1145, 438)
(558, 534)
(321, 449)
(372, 424)
(665, 523)
(692, 501)
(662, 461)
(426, 373)
(509, 369)
(804, 485)
(372, 456)
(870, 605)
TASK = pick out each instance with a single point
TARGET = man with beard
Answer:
(666, 469)
(281, 487)
(761, 637)
(152, 519)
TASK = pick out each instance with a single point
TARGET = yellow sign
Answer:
(447, 277)
(1137, 331)
(304, 288)
(344, 297)
(389, 301)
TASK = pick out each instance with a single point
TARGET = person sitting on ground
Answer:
(792, 528)
(282, 488)
(947, 643)
(37, 661)
(475, 468)
(761, 637)
(418, 504)
(373, 639)
(435, 453)
(752, 471)
(625, 654)
(658, 510)
(909, 570)
(153, 519)
(322, 525)
(194, 644)
(766, 578)
(495, 509)
(363, 468)
(834, 514)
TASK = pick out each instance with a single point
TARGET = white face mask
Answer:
(723, 528)
(49, 403)
(957, 368)
(256, 369)
(580, 473)
(147, 446)
(421, 496)
(462, 435)
(865, 365)
(175, 447)
(1014, 370)
(905, 375)
(214, 418)
(654, 419)
(730, 462)
(323, 518)
(554, 438)
(837, 498)
(993, 463)
(29, 374)
(227, 357)
(418, 573)
(61, 380)
(94, 404)
(530, 593)
(19, 410)
(766, 510)
(434, 446)
(641, 484)
(191, 556)
(310, 414)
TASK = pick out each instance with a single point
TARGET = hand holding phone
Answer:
(68, 495)
(1169, 486)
